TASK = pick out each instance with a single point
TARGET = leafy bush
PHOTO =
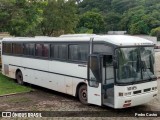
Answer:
(155, 31)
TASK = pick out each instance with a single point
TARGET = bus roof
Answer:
(118, 40)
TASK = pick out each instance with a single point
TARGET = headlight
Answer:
(124, 94)
(154, 88)
(127, 94)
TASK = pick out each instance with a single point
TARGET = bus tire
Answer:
(19, 77)
(82, 94)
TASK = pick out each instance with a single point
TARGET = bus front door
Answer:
(107, 80)
(94, 81)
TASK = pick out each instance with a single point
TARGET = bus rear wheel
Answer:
(82, 94)
(19, 77)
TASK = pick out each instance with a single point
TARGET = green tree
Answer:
(84, 30)
(122, 6)
(20, 17)
(139, 28)
(101, 5)
(6, 7)
(139, 21)
(112, 21)
(60, 17)
(92, 20)
(155, 31)
(134, 16)
(55, 17)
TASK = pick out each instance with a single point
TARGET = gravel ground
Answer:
(46, 100)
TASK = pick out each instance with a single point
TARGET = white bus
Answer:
(109, 70)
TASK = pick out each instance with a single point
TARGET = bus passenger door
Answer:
(94, 80)
(108, 81)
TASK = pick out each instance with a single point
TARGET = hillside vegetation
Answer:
(56, 17)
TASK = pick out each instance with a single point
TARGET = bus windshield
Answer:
(135, 64)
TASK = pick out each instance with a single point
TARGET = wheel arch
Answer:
(78, 86)
(18, 70)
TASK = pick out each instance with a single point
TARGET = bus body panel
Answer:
(136, 97)
(37, 72)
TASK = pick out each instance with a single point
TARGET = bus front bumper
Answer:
(129, 101)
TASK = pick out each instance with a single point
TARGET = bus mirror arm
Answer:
(151, 61)
(143, 65)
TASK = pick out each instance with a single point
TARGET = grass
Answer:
(8, 86)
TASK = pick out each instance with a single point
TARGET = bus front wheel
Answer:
(19, 77)
(82, 94)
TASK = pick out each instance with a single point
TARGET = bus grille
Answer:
(137, 92)
(148, 89)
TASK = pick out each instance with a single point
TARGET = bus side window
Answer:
(83, 52)
(62, 52)
(101, 48)
(17, 48)
(45, 50)
(58, 51)
(42, 50)
(7, 48)
(29, 49)
(73, 52)
(78, 52)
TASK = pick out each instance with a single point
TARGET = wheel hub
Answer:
(84, 94)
